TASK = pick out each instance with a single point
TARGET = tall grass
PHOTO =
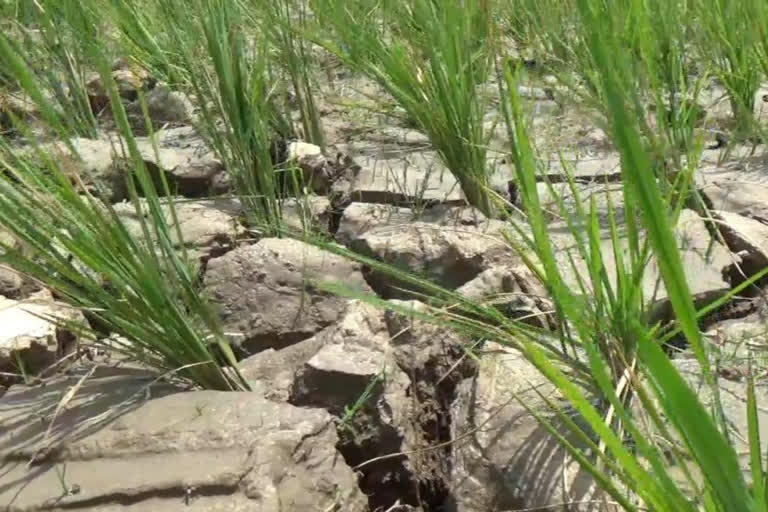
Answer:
(286, 22)
(729, 33)
(760, 12)
(142, 289)
(432, 58)
(237, 91)
(662, 68)
(57, 42)
(631, 60)
(146, 35)
(705, 440)
(146, 290)
(607, 359)
(668, 71)
(215, 50)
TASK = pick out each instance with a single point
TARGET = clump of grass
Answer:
(667, 70)
(607, 357)
(240, 95)
(702, 439)
(662, 69)
(728, 36)
(228, 69)
(58, 47)
(432, 58)
(147, 35)
(286, 23)
(19, 10)
(140, 289)
(759, 11)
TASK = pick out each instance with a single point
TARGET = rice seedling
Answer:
(646, 369)
(286, 23)
(651, 374)
(668, 103)
(147, 35)
(143, 290)
(58, 46)
(241, 97)
(668, 72)
(704, 439)
(759, 12)
(607, 358)
(233, 82)
(632, 61)
(432, 58)
(728, 35)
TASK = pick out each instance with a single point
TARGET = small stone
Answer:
(298, 151)
(515, 291)
(190, 168)
(735, 188)
(274, 371)
(129, 79)
(533, 93)
(747, 238)
(359, 218)
(16, 107)
(307, 213)
(168, 106)
(336, 377)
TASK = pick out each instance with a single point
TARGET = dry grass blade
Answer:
(65, 399)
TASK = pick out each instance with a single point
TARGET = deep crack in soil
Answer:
(420, 475)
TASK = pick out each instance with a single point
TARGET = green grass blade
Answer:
(755, 448)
